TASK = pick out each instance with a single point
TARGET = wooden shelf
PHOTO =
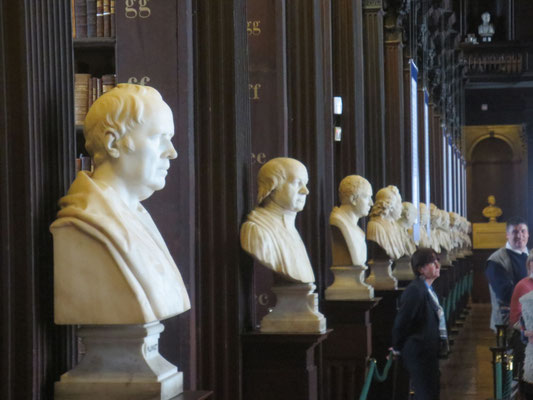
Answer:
(94, 42)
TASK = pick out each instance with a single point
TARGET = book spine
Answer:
(108, 83)
(91, 18)
(107, 19)
(73, 19)
(80, 12)
(99, 18)
(81, 94)
(113, 31)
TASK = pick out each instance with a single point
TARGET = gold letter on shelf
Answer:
(144, 80)
(252, 27)
(254, 91)
(143, 12)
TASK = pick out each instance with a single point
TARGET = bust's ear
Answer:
(110, 144)
(353, 199)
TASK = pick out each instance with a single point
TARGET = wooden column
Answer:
(223, 197)
(407, 149)
(375, 148)
(267, 63)
(348, 83)
(421, 145)
(396, 113)
(438, 160)
(37, 156)
(348, 348)
(162, 56)
(310, 122)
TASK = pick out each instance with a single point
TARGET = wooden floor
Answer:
(467, 374)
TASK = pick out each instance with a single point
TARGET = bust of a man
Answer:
(425, 241)
(486, 29)
(355, 195)
(406, 222)
(435, 219)
(269, 233)
(383, 227)
(492, 212)
(111, 265)
(444, 232)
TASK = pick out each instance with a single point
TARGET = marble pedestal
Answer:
(348, 348)
(349, 284)
(381, 275)
(296, 311)
(280, 366)
(122, 362)
(402, 269)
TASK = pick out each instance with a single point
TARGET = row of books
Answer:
(87, 89)
(93, 18)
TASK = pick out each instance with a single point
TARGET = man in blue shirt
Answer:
(505, 267)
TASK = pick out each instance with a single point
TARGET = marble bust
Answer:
(349, 249)
(114, 276)
(269, 233)
(270, 236)
(383, 227)
(486, 29)
(406, 222)
(355, 194)
(435, 220)
(111, 265)
(425, 240)
(492, 212)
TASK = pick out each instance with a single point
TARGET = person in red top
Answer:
(523, 287)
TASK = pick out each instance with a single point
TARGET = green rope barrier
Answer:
(373, 373)
(498, 377)
(508, 377)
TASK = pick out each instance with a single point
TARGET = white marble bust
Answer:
(435, 219)
(355, 195)
(486, 29)
(455, 229)
(383, 228)
(269, 233)
(406, 222)
(425, 240)
(111, 265)
(444, 232)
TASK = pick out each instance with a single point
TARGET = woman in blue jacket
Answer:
(420, 327)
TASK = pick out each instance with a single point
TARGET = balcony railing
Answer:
(503, 59)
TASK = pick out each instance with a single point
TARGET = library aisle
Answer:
(467, 374)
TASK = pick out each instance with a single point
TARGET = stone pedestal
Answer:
(280, 366)
(402, 269)
(348, 347)
(122, 362)
(296, 311)
(349, 284)
(381, 275)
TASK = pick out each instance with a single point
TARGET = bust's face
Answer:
(396, 211)
(363, 202)
(146, 151)
(292, 193)
(409, 213)
(491, 200)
